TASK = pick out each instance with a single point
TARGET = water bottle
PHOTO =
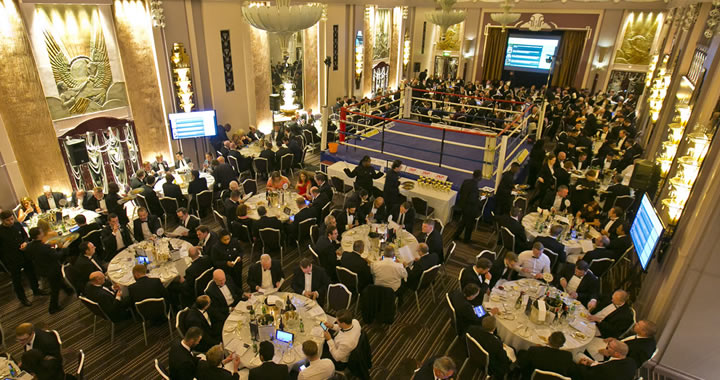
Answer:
(302, 326)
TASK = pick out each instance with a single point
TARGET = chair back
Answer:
(312, 250)
(261, 166)
(80, 374)
(304, 229)
(308, 136)
(69, 276)
(240, 231)
(286, 161)
(338, 297)
(521, 202)
(624, 201)
(304, 153)
(600, 266)
(453, 315)
(439, 225)
(203, 201)
(94, 308)
(420, 205)
(325, 210)
(508, 239)
(249, 186)
(141, 201)
(219, 205)
(234, 163)
(169, 205)
(338, 185)
(477, 355)
(552, 256)
(348, 278)
(202, 281)
(462, 270)
(314, 234)
(428, 277)
(94, 237)
(270, 238)
(16, 210)
(161, 371)
(180, 321)
(450, 251)
(222, 219)
(152, 309)
(627, 332)
(539, 374)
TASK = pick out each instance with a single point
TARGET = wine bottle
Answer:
(281, 325)
(518, 303)
(302, 326)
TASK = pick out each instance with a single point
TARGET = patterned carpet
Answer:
(397, 349)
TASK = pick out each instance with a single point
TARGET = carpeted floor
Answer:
(397, 348)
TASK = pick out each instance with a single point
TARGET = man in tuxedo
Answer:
(601, 251)
(304, 213)
(504, 269)
(254, 133)
(642, 345)
(463, 302)
(319, 200)
(111, 301)
(146, 287)
(160, 165)
(613, 191)
(436, 368)
(86, 264)
(268, 369)
(96, 202)
(198, 316)
(614, 219)
(84, 227)
(79, 199)
(181, 163)
(199, 264)
(619, 367)
(230, 205)
(138, 180)
(191, 222)
(45, 341)
(224, 295)
(503, 195)
(267, 222)
(223, 173)
(151, 198)
(282, 150)
(557, 201)
(49, 199)
(614, 318)
(348, 219)
(498, 361)
(115, 237)
(206, 239)
(478, 274)
(227, 255)
(269, 155)
(267, 274)
(426, 261)
(404, 215)
(213, 367)
(622, 240)
(172, 190)
(580, 283)
(552, 243)
(546, 358)
(296, 149)
(328, 248)
(581, 162)
(47, 264)
(431, 236)
(468, 201)
(354, 262)
(183, 363)
(323, 185)
(312, 282)
(146, 225)
(391, 188)
(512, 223)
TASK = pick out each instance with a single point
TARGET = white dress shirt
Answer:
(609, 224)
(573, 284)
(51, 203)
(388, 273)
(103, 205)
(606, 311)
(207, 317)
(30, 344)
(320, 369)
(226, 293)
(557, 203)
(401, 218)
(344, 342)
(536, 265)
(308, 282)
(350, 219)
(119, 240)
(145, 230)
(267, 282)
(92, 258)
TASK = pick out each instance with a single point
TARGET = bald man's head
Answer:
(97, 278)
(219, 278)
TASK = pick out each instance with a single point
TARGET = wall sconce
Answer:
(651, 70)
(406, 51)
(689, 168)
(182, 76)
(359, 55)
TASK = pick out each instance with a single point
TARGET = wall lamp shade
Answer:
(282, 18)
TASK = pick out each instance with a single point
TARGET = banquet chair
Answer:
(169, 206)
(271, 241)
(180, 320)
(95, 238)
(427, 278)
(523, 204)
(202, 281)
(480, 216)
(454, 320)
(306, 148)
(338, 186)
(314, 234)
(68, 276)
(232, 160)
(438, 223)
(539, 374)
(16, 210)
(317, 257)
(421, 207)
(325, 210)
(242, 233)
(221, 219)
(508, 239)
(624, 201)
(450, 251)
(600, 266)
(97, 311)
(80, 373)
(629, 330)
(488, 254)
(338, 297)
(477, 355)
(304, 232)
(553, 258)
(3, 347)
(161, 371)
(350, 280)
(225, 194)
(286, 163)
(203, 202)
(249, 186)
(261, 166)
(141, 201)
(153, 309)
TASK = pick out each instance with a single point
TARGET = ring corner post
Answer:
(325, 118)
(406, 102)
(501, 160)
(343, 117)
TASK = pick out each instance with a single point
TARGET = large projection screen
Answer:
(528, 52)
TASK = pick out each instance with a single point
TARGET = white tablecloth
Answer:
(5, 365)
(372, 246)
(441, 201)
(253, 150)
(260, 200)
(512, 323)
(183, 184)
(237, 339)
(120, 267)
(573, 247)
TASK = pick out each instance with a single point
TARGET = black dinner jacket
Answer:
(622, 369)
(109, 242)
(425, 372)
(269, 370)
(409, 221)
(153, 202)
(355, 263)
(424, 263)
(45, 205)
(196, 186)
(326, 254)
(187, 163)
(193, 317)
(230, 210)
(83, 266)
(327, 190)
(498, 272)
(616, 323)
(192, 223)
(47, 343)
(183, 364)
(589, 286)
(320, 282)
(641, 349)
(342, 220)
(45, 258)
(499, 363)
(267, 222)
(254, 276)
(469, 276)
(553, 245)
(546, 359)
(620, 244)
(434, 242)
(147, 287)
(600, 253)
(196, 268)
(171, 190)
(159, 166)
(112, 202)
(302, 215)
(613, 227)
(549, 199)
(391, 187)
(219, 308)
(318, 203)
(207, 372)
(517, 229)
(463, 311)
(105, 297)
(210, 244)
(153, 225)
(224, 174)
(612, 193)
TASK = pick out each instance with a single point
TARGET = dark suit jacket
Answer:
(424, 263)
(620, 244)
(83, 267)
(616, 323)
(342, 220)
(230, 208)
(219, 308)
(208, 246)
(116, 310)
(211, 333)
(641, 349)
(391, 188)
(469, 198)
(434, 242)
(546, 359)
(135, 182)
(187, 162)
(327, 190)
(159, 166)
(196, 186)
(45, 259)
(623, 369)
(463, 311)
(326, 251)
(613, 227)
(600, 253)
(589, 286)
(268, 222)
(74, 202)
(549, 199)
(222, 253)
(183, 364)
(304, 214)
(224, 174)
(357, 264)
(147, 287)
(499, 363)
(45, 205)
(269, 370)
(408, 221)
(497, 273)
(426, 371)
(153, 225)
(612, 193)
(254, 276)
(171, 190)
(320, 282)
(469, 276)
(109, 242)
(271, 158)
(318, 204)
(47, 343)
(553, 245)
(152, 200)
(196, 268)
(517, 229)
(206, 372)
(192, 223)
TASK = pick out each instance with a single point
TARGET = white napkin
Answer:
(586, 245)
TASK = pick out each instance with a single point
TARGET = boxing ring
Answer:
(451, 144)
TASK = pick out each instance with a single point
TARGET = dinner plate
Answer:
(229, 328)
(579, 335)
(507, 316)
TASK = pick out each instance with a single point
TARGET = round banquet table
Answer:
(236, 331)
(253, 150)
(120, 267)
(573, 247)
(183, 184)
(260, 200)
(5, 372)
(516, 330)
(372, 246)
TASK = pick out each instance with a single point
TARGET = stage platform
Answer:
(456, 156)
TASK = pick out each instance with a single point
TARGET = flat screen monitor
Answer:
(528, 52)
(646, 231)
(189, 125)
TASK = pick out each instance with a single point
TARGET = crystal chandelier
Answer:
(446, 17)
(505, 17)
(282, 18)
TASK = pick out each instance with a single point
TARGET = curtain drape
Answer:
(570, 53)
(494, 57)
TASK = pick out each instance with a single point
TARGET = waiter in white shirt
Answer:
(534, 263)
